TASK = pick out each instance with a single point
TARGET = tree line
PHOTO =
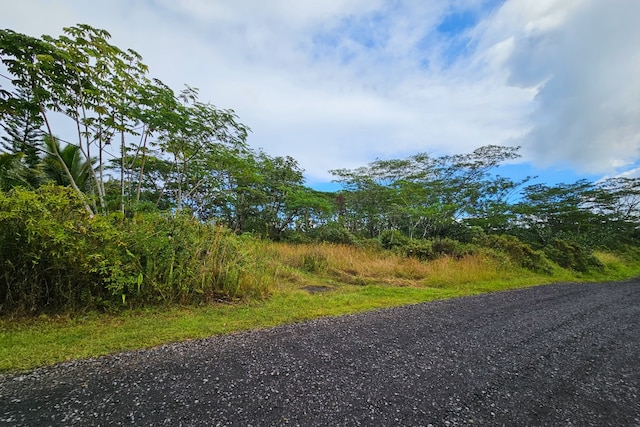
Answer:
(78, 112)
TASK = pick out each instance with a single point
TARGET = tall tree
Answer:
(193, 133)
(74, 162)
(81, 76)
(553, 212)
(427, 196)
(12, 171)
(37, 67)
(23, 130)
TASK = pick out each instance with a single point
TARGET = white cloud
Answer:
(338, 83)
(583, 59)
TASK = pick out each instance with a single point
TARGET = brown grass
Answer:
(302, 263)
(289, 271)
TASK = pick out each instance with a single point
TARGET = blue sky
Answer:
(340, 83)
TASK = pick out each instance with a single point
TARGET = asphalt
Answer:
(557, 355)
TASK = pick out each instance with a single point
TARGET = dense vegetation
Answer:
(117, 191)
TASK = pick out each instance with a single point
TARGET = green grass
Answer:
(29, 343)
(43, 341)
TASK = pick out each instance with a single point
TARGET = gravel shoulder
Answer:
(565, 354)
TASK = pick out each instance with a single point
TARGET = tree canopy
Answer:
(80, 112)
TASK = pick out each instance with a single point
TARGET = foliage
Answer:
(425, 196)
(12, 172)
(451, 248)
(22, 127)
(332, 232)
(73, 160)
(421, 249)
(520, 253)
(181, 259)
(56, 258)
(390, 239)
(137, 227)
(571, 255)
(80, 76)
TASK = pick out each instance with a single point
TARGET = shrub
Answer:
(291, 236)
(333, 233)
(462, 232)
(571, 255)
(519, 253)
(420, 249)
(423, 249)
(180, 259)
(372, 245)
(449, 247)
(55, 257)
(390, 239)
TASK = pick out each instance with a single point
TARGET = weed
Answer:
(382, 280)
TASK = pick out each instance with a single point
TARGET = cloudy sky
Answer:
(339, 83)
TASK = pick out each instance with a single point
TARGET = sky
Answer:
(340, 83)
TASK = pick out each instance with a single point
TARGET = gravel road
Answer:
(566, 355)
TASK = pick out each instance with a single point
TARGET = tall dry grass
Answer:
(357, 266)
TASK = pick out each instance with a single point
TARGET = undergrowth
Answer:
(73, 286)
(54, 258)
(350, 279)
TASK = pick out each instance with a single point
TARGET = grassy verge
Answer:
(309, 282)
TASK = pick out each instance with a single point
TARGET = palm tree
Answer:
(13, 172)
(74, 161)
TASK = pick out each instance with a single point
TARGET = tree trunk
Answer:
(64, 165)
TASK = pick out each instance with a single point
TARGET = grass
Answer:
(351, 280)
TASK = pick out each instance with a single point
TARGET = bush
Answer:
(420, 249)
(390, 239)
(462, 232)
(291, 236)
(572, 256)
(519, 253)
(333, 233)
(55, 257)
(180, 259)
(450, 247)
(372, 244)
(426, 250)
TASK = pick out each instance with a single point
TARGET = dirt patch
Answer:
(317, 289)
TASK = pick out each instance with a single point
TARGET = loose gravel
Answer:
(566, 354)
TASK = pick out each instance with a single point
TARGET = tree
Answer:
(193, 135)
(425, 196)
(278, 196)
(74, 162)
(105, 93)
(12, 171)
(22, 141)
(616, 201)
(23, 130)
(562, 211)
(81, 76)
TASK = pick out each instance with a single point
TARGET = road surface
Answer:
(566, 354)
